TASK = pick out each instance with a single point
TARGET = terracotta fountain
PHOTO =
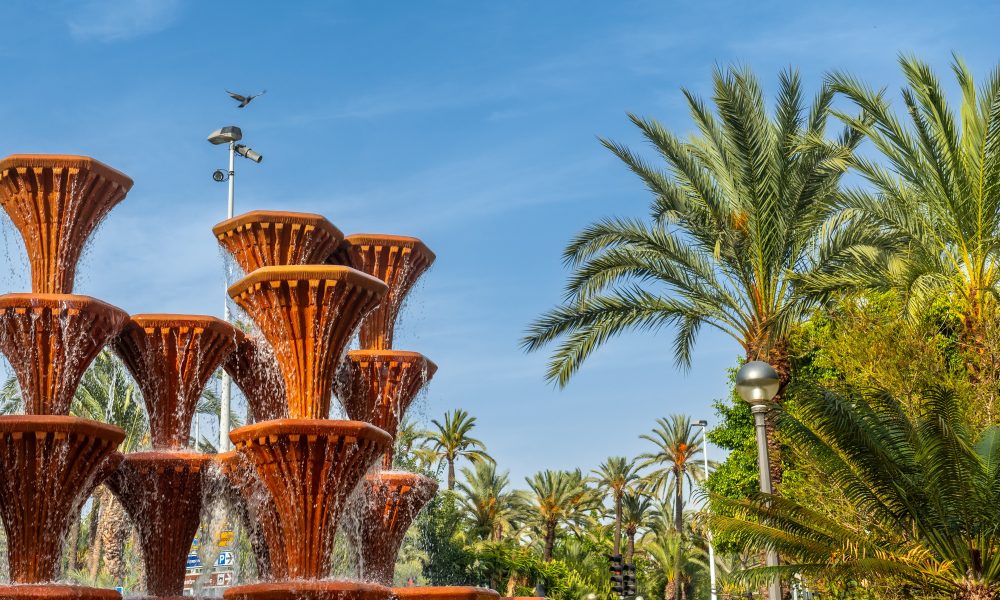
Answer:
(171, 357)
(49, 461)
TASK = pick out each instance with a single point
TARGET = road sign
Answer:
(225, 559)
(214, 580)
(193, 562)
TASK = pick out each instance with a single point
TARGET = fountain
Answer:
(293, 468)
(49, 461)
(171, 357)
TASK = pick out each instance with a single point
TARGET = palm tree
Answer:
(490, 506)
(736, 218)
(615, 476)
(558, 499)
(638, 511)
(925, 494)
(451, 441)
(676, 446)
(930, 222)
(736, 215)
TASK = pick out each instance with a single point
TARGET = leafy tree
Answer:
(616, 475)
(452, 441)
(448, 561)
(925, 489)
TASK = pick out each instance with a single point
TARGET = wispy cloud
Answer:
(119, 20)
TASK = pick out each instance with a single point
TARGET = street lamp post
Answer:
(711, 550)
(757, 383)
(229, 135)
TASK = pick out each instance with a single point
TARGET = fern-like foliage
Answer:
(927, 490)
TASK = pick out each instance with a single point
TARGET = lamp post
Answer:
(757, 383)
(229, 135)
(711, 550)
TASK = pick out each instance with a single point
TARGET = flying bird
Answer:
(244, 100)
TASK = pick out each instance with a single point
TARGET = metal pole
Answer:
(227, 384)
(711, 549)
(759, 417)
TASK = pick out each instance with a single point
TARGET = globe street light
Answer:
(711, 551)
(757, 383)
(229, 135)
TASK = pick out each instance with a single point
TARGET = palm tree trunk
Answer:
(73, 544)
(451, 474)
(94, 540)
(550, 542)
(114, 531)
(630, 550)
(618, 524)
(678, 525)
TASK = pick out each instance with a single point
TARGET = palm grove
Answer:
(850, 240)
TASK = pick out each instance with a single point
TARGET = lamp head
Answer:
(226, 135)
(701, 423)
(757, 382)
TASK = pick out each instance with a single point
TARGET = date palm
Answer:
(736, 212)
(452, 441)
(638, 512)
(676, 449)
(616, 475)
(490, 506)
(925, 493)
(928, 223)
(557, 499)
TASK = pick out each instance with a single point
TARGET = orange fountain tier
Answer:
(50, 340)
(398, 261)
(56, 202)
(309, 590)
(267, 238)
(253, 507)
(389, 503)
(172, 357)
(254, 368)
(377, 386)
(309, 468)
(162, 492)
(307, 314)
(47, 469)
(56, 592)
(444, 593)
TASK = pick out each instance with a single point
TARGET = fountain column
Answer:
(171, 357)
(49, 461)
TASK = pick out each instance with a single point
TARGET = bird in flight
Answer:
(244, 100)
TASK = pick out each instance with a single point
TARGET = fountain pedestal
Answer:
(254, 369)
(309, 590)
(444, 593)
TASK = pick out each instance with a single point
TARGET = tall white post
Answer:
(227, 383)
(764, 464)
(711, 549)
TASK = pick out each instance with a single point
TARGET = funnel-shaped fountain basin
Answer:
(307, 314)
(253, 507)
(309, 468)
(162, 493)
(398, 261)
(171, 358)
(309, 590)
(377, 386)
(56, 202)
(444, 593)
(389, 501)
(266, 238)
(47, 468)
(254, 368)
(50, 340)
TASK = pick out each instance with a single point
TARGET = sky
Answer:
(472, 125)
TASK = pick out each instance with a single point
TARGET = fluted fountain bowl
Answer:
(309, 590)
(269, 238)
(56, 201)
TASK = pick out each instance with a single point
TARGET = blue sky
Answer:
(472, 125)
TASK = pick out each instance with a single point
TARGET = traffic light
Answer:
(617, 576)
(628, 580)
